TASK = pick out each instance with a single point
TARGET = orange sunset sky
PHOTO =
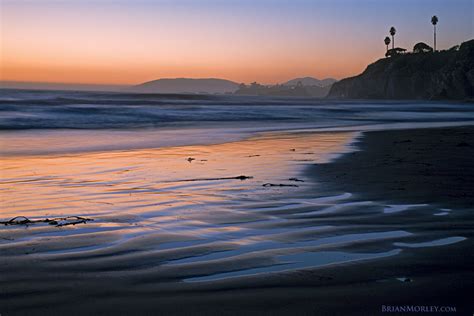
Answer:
(129, 42)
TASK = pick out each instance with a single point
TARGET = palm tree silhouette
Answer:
(392, 32)
(387, 41)
(434, 21)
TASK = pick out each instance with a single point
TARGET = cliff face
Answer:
(439, 75)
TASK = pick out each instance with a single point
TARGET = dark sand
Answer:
(434, 166)
(428, 166)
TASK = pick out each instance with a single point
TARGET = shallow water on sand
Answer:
(153, 208)
(163, 215)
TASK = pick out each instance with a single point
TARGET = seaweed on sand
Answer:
(58, 222)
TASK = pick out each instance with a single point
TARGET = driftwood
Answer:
(215, 179)
(279, 185)
(58, 222)
(295, 179)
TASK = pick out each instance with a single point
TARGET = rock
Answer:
(428, 76)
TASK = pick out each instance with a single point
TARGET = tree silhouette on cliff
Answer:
(387, 41)
(434, 21)
(393, 31)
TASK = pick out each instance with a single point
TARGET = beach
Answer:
(154, 249)
(247, 158)
(332, 219)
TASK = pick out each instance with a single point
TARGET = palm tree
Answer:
(387, 41)
(434, 21)
(392, 32)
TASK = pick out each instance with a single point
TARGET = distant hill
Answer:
(310, 81)
(431, 75)
(298, 87)
(186, 85)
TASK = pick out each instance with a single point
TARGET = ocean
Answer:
(35, 122)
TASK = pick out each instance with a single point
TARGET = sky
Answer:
(269, 41)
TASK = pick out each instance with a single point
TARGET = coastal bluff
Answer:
(442, 75)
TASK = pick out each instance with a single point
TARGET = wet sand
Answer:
(433, 166)
(345, 241)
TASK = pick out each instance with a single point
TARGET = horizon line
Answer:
(162, 78)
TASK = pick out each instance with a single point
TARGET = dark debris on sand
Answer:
(295, 180)
(58, 222)
(278, 185)
(241, 177)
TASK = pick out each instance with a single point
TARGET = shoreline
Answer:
(124, 140)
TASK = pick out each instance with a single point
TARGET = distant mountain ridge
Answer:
(298, 90)
(311, 87)
(186, 85)
(310, 81)
(298, 87)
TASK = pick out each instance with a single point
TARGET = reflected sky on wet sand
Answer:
(179, 214)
